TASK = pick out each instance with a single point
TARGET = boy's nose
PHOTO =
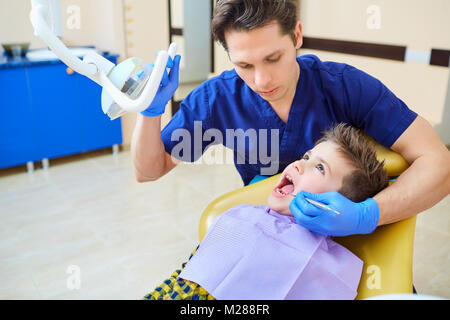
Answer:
(298, 165)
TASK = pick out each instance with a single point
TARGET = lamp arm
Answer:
(46, 13)
(42, 30)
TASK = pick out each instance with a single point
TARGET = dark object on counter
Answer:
(10, 47)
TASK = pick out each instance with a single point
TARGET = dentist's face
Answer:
(322, 169)
(265, 59)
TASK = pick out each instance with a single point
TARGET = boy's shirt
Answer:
(252, 252)
(327, 93)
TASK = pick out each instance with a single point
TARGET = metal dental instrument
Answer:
(318, 204)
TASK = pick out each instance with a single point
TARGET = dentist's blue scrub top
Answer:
(327, 93)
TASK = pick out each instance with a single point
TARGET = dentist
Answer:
(271, 88)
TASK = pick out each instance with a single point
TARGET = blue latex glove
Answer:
(167, 88)
(355, 218)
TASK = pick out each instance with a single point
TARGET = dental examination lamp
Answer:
(128, 87)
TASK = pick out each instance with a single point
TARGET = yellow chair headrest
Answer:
(394, 163)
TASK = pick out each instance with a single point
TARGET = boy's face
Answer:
(322, 169)
(266, 60)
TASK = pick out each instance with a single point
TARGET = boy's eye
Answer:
(305, 157)
(320, 168)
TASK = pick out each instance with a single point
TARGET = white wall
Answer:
(418, 25)
(15, 25)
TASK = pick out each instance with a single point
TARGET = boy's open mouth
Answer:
(285, 187)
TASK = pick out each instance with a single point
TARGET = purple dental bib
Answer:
(252, 252)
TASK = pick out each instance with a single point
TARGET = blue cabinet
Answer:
(17, 139)
(56, 110)
(97, 130)
(46, 111)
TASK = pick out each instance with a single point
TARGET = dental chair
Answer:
(387, 252)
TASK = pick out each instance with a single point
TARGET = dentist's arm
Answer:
(425, 182)
(150, 159)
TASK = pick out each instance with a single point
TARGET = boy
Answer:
(260, 252)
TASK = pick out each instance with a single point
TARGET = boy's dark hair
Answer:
(369, 176)
(251, 14)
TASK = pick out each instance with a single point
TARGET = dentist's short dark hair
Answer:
(246, 15)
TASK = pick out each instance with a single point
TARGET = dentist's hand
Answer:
(167, 88)
(355, 218)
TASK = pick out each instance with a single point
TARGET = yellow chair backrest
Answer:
(387, 252)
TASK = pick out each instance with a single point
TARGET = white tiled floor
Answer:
(127, 237)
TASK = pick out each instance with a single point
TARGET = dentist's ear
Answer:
(298, 32)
